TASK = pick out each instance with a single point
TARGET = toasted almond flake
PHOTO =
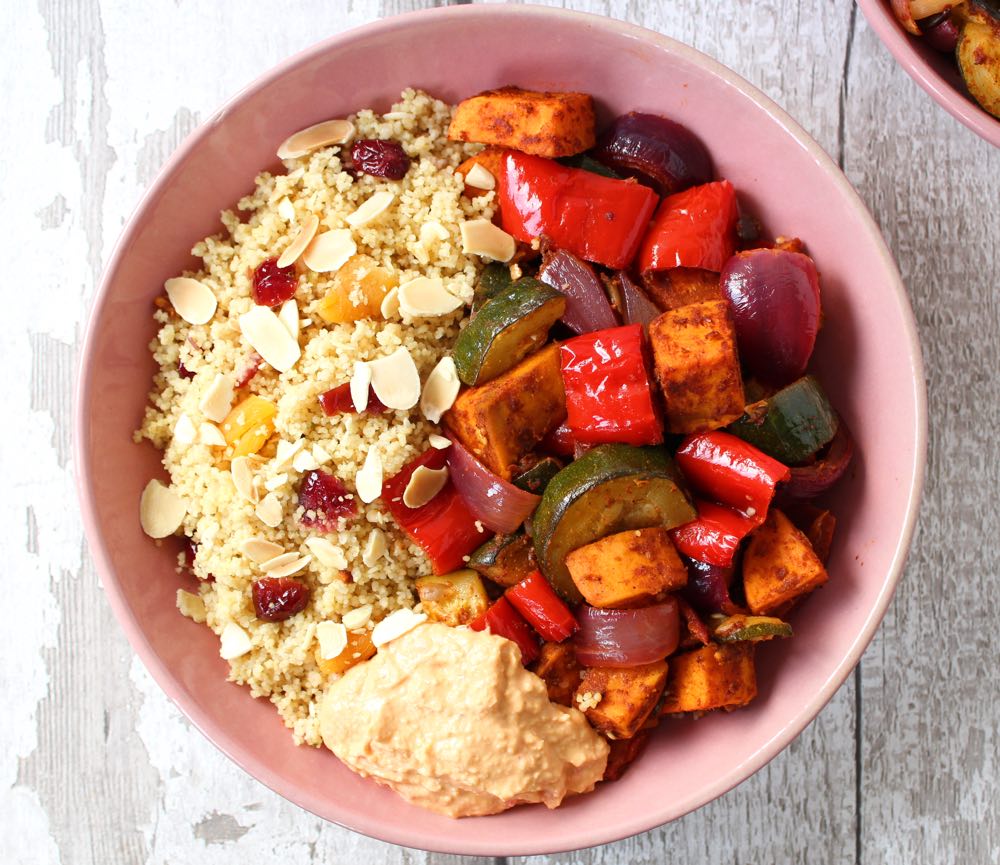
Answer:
(326, 553)
(440, 390)
(395, 380)
(372, 209)
(368, 480)
(375, 547)
(357, 618)
(424, 484)
(395, 625)
(426, 296)
(332, 638)
(390, 304)
(261, 550)
(269, 511)
(482, 237)
(313, 137)
(432, 232)
(234, 642)
(361, 380)
(192, 299)
(396, 115)
(304, 462)
(285, 453)
(191, 605)
(161, 510)
(320, 454)
(286, 210)
(330, 250)
(185, 432)
(242, 473)
(269, 338)
(288, 315)
(304, 237)
(480, 178)
(438, 442)
(209, 434)
(218, 399)
(283, 566)
(278, 561)
(276, 482)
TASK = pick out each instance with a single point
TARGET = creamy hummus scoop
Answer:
(451, 720)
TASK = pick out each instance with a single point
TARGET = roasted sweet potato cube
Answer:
(558, 668)
(543, 124)
(697, 367)
(715, 676)
(623, 753)
(627, 569)
(779, 565)
(627, 697)
(680, 286)
(504, 419)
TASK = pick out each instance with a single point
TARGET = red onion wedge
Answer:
(708, 587)
(908, 12)
(637, 308)
(587, 306)
(626, 638)
(809, 481)
(496, 503)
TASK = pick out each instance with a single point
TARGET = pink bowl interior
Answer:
(867, 355)
(932, 70)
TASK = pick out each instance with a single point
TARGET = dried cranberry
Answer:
(339, 401)
(278, 598)
(183, 371)
(380, 158)
(325, 500)
(249, 369)
(273, 285)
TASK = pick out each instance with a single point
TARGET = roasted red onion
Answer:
(908, 12)
(626, 638)
(498, 504)
(638, 308)
(587, 306)
(809, 481)
(941, 32)
(707, 589)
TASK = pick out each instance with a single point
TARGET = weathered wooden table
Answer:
(96, 765)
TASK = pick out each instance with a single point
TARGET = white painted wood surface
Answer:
(97, 767)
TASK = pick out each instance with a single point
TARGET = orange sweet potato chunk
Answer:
(716, 676)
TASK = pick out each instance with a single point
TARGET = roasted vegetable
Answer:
(779, 566)
(978, 56)
(494, 279)
(505, 559)
(627, 569)
(543, 124)
(453, 599)
(623, 753)
(536, 479)
(717, 676)
(558, 668)
(627, 697)
(680, 286)
(358, 289)
(753, 629)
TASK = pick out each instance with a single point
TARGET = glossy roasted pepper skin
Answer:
(597, 218)
(536, 600)
(693, 228)
(504, 621)
(608, 394)
(715, 535)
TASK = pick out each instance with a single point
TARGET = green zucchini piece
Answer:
(753, 629)
(536, 479)
(790, 425)
(505, 559)
(588, 163)
(454, 599)
(508, 328)
(978, 54)
(495, 279)
(611, 488)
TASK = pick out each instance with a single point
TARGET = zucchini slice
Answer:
(755, 629)
(536, 479)
(978, 55)
(504, 559)
(508, 328)
(790, 425)
(610, 489)
(495, 279)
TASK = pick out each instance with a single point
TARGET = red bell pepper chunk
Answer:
(444, 528)
(715, 535)
(732, 471)
(504, 621)
(535, 599)
(693, 228)
(338, 400)
(608, 395)
(597, 218)
(559, 442)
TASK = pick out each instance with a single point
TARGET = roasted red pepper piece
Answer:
(504, 621)
(534, 599)
(608, 395)
(445, 529)
(597, 218)
(694, 228)
(732, 471)
(559, 442)
(338, 400)
(715, 535)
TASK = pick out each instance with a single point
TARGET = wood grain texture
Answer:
(99, 767)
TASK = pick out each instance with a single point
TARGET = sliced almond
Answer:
(191, 298)
(375, 547)
(424, 484)
(358, 618)
(438, 442)
(285, 453)
(314, 137)
(269, 511)
(368, 480)
(482, 237)
(360, 383)
(332, 638)
(321, 455)
(285, 565)
(191, 605)
(234, 642)
(288, 315)
(261, 550)
(426, 296)
(395, 380)
(161, 510)
(286, 210)
(242, 473)
(276, 482)
(395, 625)
(209, 434)
(440, 390)
(371, 210)
(480, 178)
(304, 461)
(185, 432)
(218, 399)
(307, 231)
(270, 338)
(432, 232)
(330, 250)
(326, 553)
(390, 304)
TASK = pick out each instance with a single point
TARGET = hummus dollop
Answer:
(451, 720)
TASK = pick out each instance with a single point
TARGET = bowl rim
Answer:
(959, 105)
(414, 836)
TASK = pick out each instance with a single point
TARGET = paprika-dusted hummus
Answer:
(451, 720)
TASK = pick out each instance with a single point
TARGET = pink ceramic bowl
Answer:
(868, 357)
(932, 70)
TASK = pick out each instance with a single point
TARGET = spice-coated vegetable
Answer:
(715, 535)
(534, 599)
(504, 621)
